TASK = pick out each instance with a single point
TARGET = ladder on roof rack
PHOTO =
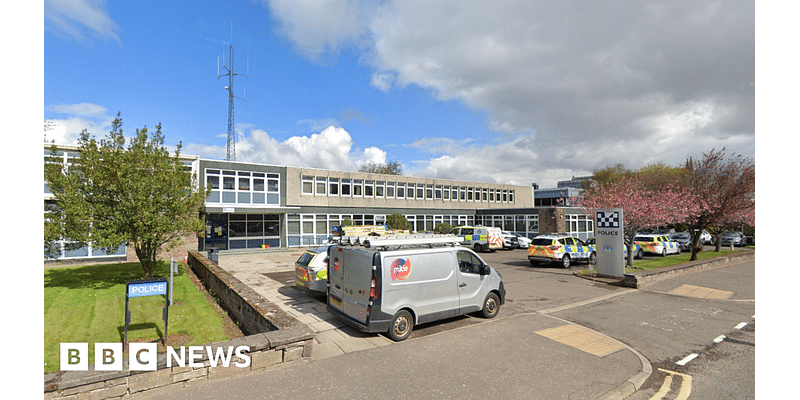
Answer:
(399, 240)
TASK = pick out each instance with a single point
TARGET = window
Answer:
(401, 190)
(469, 193)
(485, 194)
(438, 192)
(322, 183)
(345, 187)
(420, 191)
(410, 191)
(454, 193)
(243, 187)
(446, 193)
(308, 184)
(369, 187)
(462, 193)
(468, 263)
(358, 186)
(390, 190)
(244, 180)
(428, 192)
(333, 184)
(510, 196)
(380, 186)
(491, 195)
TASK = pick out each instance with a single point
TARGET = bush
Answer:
(398, 221)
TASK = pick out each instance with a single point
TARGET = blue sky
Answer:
(512, 92)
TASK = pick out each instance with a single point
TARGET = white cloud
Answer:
(571, 86)
(332, 149)
(78, 18)
(74, 118)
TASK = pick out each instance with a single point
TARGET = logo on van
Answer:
(400, 269)
(336, 263)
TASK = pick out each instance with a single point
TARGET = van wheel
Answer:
(491, 306)
(401, 327)
(478, 248)
(565, 261)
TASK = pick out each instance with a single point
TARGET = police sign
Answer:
(610, 242)
(149, 288)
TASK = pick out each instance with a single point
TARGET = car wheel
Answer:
(491, 306)
(592, 258)
(664, 252)
(401, 326)
(565, 261)
(640, 254)
(534, 263)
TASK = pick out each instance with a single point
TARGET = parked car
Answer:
(524, 241)
(733, 238)
(637, 250)
(683, 239)
(560, 249)
(510, 240)
(657, 244)
(311, 270)
(706, 238)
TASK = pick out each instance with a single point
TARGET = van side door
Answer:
(471, 287)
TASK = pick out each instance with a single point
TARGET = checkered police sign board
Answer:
(608, 220)
(610, 242)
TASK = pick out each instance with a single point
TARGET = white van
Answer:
(391, 284)
(479, 238)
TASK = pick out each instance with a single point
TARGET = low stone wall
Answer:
(252, 311)
(640, 278)
(274, 337)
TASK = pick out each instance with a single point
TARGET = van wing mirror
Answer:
(486, 269)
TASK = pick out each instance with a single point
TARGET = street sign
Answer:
(610, 239)
(143, 288)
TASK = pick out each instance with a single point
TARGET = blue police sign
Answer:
(147, 288)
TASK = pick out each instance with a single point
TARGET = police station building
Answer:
(254, 206)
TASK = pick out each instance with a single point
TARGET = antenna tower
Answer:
(231, 72)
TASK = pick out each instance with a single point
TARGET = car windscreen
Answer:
(305, 258)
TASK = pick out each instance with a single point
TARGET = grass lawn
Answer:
(674, 259)
(87, 305)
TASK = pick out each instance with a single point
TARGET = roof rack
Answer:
(399, 240)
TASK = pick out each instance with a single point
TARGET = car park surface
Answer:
(553, 371)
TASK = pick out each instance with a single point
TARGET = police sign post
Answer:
(610, 242)
(142, 288)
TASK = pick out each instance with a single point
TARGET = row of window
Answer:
(243, 187)
(345, 187)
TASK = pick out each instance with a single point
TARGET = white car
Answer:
(524, 241)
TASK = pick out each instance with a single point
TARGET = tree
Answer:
(642, 207)
(723, 189)
(398, 221)
(390, 168)
(112, 194)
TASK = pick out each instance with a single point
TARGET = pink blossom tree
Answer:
(723, 189)
(643, 206)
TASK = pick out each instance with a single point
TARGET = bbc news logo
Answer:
(143, 356)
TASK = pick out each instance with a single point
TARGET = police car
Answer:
(561, 249)
(637, 250)
(657, 244)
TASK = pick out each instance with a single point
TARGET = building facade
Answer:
(253, 205)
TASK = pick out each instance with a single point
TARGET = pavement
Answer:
(531, 355)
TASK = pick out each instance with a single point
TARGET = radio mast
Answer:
(231, 72)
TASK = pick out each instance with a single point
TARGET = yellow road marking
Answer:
(701, 292)
(582, 339)
(684, 391)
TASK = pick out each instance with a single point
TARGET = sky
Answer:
(512, 92)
